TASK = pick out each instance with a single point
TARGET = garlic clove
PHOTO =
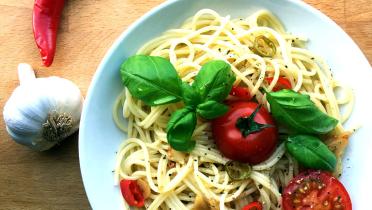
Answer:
(25, 73)
(41, 112)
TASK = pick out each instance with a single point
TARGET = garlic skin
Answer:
(41, 112)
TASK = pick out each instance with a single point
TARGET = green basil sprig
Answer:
(151, 79)
(155, 81)
(311, 152)
(180, 128)
(211, 109)
(191, 97)
(214, 81)
(299, 113)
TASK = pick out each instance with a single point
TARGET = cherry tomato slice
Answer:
(253, 206)
(315, 190)
(132, 193)
(240, 93)
(282, 83)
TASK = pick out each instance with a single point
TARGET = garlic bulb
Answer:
(41, 112)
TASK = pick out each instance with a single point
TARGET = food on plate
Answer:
(253, 206)
(45, 21)
(247, 133)
(282, 83)
(155, 81)
(315, 190)
(133, 194)
(299, 113)
(41, 112)
(311, 152)
(240, 94)
(220, 110)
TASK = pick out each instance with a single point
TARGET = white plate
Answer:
(99, 138)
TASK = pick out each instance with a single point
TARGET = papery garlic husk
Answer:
(41, 112)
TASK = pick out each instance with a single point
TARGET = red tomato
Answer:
(255, 147)
(282, 83)
(240, 93)
(132, 193)
(315, 190)
(253, 206)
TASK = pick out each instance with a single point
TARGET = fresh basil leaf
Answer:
(311, 152)
(211, 109)
(180, 128)
(214, 80)
(299, 113)
(151, 79)
(190, 96)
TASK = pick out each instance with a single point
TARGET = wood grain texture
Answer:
(52, 180)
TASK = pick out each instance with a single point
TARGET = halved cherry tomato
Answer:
(242, 139)
(241, 93)
(132, 193)
(315, 190)
(282, 83)
(253, 206)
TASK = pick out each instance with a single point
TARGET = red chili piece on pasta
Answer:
(253, 206)
(132, 193)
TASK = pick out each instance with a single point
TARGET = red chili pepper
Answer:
(282, 83)
(253, 206)
(241, 93)
(45, 21)
(132, 193)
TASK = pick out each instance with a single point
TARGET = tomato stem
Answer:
(247, 125)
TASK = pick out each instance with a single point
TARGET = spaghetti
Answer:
(179, 180)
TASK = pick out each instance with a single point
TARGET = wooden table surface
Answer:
(52, 180)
